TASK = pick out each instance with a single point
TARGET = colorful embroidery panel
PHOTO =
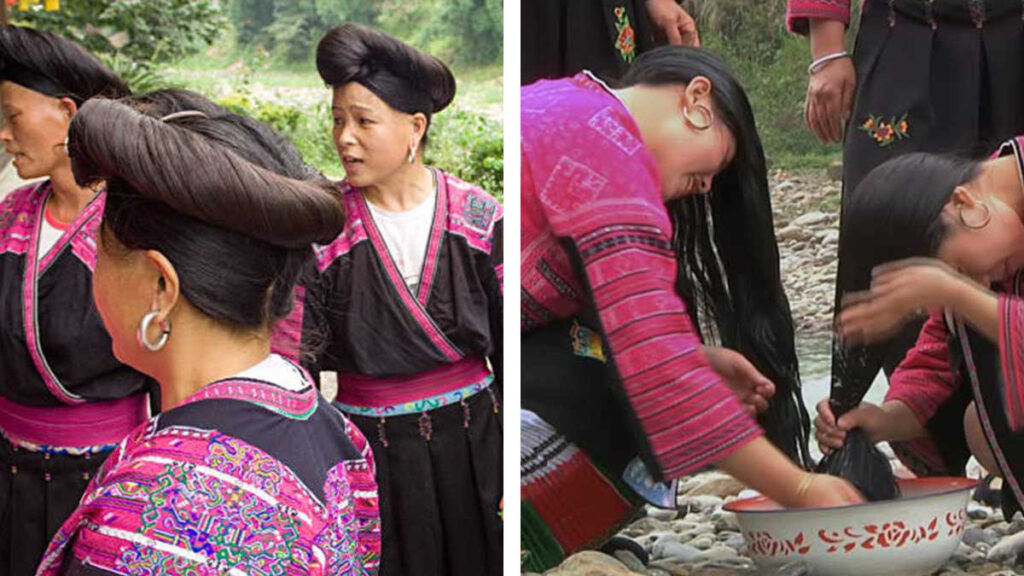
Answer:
(419, 406)
(886, 133)
(625, 43)
(184, 500)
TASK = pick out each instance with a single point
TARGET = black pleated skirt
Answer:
(37, 493)
(439, 476)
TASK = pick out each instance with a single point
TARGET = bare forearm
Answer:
(901, 424)
(764, 468)
(827, 37)
(978, 306)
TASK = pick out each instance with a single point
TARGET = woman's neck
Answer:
(209, 353)
(1003, 177)
(68, 198)
(404, 190)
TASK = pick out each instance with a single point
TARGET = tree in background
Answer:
(133, 36)
(457, 31)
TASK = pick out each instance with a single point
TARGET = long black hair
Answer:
(55, 66)
(238, 234)
(728, 256)
(405, 78)
(896, 210)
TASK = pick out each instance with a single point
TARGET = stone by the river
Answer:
(630, 560)
(811, 219)
(674, 551)
(590, 563)
(1008, 548)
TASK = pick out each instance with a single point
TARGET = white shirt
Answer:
(276, 370)
(48, 236)
(406, 235)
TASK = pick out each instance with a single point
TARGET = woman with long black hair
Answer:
(646, 229)
(65, 400)
(948, 235)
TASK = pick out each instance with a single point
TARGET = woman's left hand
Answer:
(899, 290)
(673, 24)
(749, 385)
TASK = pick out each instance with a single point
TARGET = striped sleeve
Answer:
(689, 415)
(924, 381)
(799, 13)
(1011, 355)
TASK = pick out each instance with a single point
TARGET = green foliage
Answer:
(460, 32)
(293, 27)
(772, 66)
(139, 78)
(469, 146)
(144, 31)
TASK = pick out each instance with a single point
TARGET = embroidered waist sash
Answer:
(451, 383)
(79, 426)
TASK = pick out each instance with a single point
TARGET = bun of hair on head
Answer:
(55, 66)
(407, 79)
(249, 138)
(196, 177)
(166, 101)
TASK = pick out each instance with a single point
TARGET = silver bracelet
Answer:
(824, 59)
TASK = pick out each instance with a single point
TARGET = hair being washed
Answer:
(237, 234)
(728, 255)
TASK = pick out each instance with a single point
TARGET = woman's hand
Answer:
(831, 435)
(830, 89)
(899, 291)
(672, 24)
(752, 388)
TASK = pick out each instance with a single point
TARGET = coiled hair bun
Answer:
(405, 78)
(171, 164)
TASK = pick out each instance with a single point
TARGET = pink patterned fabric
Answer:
(588, 179)
(90, 424)
(799, 12)
(184, 500)
(368, 391)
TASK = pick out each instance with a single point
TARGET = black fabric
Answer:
(74, 341)
(989, 373)
(439, 498)
(970, 12)
(37, 494)
(576, 396)
(562, 37)
(960, 87)
(309, 448)
(357, 301)
(861, 463)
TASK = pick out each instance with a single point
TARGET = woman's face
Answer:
(689, 152)
(987, 252)
(373, 140)
(35, 127)
(123, 288)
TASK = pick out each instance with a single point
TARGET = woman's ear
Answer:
(167, 287)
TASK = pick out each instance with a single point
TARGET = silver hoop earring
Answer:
(412, 154)
(977, 226)
(165, 331)
(707, 112)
